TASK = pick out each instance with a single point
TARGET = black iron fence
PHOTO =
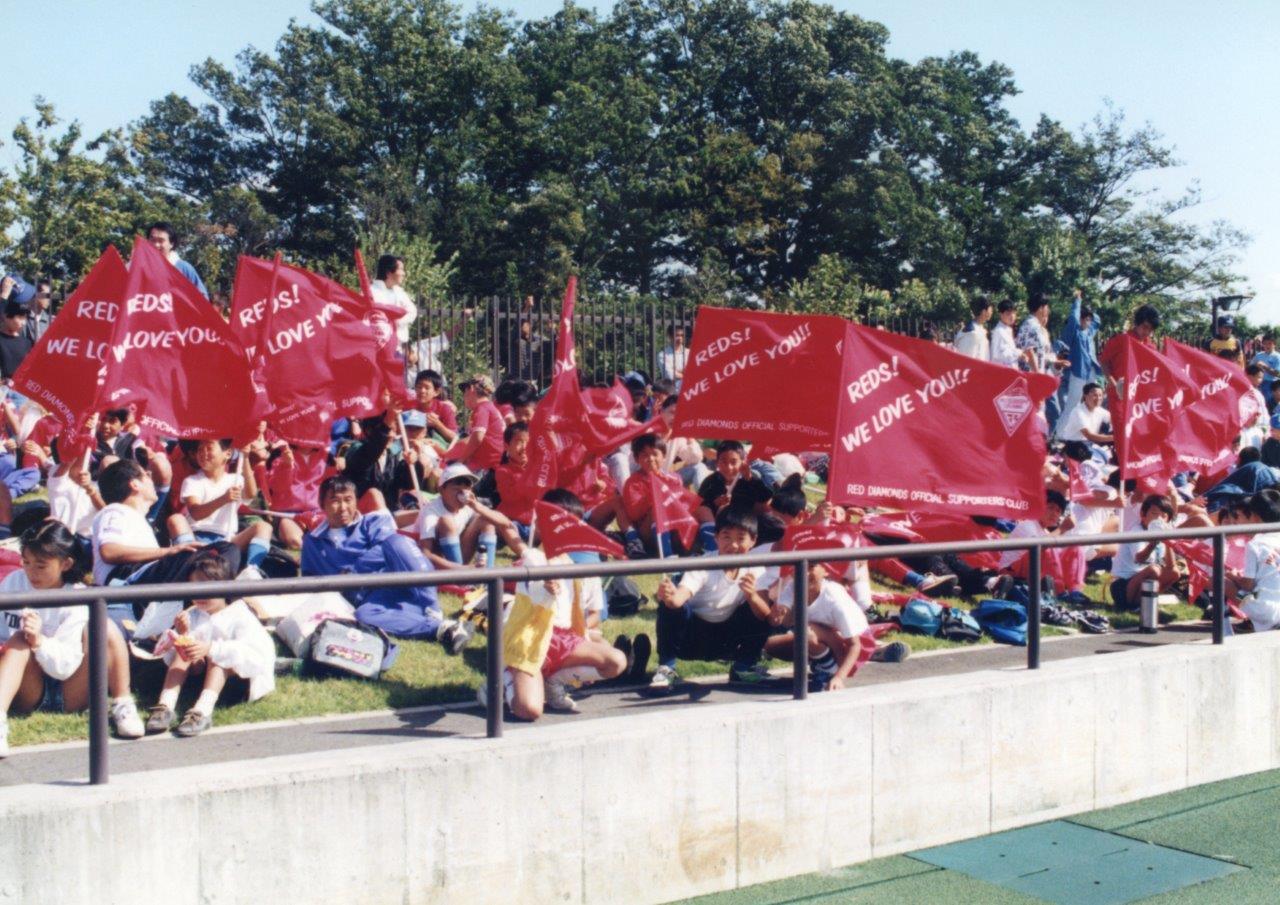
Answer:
(97, 599)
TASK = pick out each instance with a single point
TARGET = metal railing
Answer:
(97, 599)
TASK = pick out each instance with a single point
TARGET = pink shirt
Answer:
(443, 409)
(296, 487)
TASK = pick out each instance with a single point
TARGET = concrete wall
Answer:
(656, 805)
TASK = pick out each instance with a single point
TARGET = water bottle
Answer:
(1148, 612)
(487, 549)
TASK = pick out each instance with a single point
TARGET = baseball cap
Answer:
(415, 418)
(457, 472)
(482, 382)
(1226, 320)
(22, 290)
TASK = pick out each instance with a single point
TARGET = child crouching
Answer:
(219, 639)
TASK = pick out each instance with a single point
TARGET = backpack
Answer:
(346, 648)
(1003, 620)
(622, 597)
(921, 616)
(959, 625)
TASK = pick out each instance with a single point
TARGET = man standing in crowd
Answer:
(162, 235)
(1079, 336)
(972, 340)
(675, 356)
(1004, 348)
(38, 314)
(14, 342)
(1269, 360)
(388, 289)
(1225, 340)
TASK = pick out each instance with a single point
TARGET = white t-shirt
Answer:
(673, 360)
(1081, 418)
(715, 594)
(119, 524)
(429, 517)
(1125, 564)
(833, 606)
(225, 520)
(591, 590)
(1262, 564)
(70, 504)
(1004, 350)
(61, 649)
(400, 299)
(1025, 528)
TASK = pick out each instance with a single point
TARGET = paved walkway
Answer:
(68, 762)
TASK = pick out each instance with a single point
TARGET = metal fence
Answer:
(97, 599)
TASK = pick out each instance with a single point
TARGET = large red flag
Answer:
(762, 377)
(564, 532)
(922, 427)
(822, 537)
(1204, 438)
(671, 511)
(1146, 398)
(61, 371)
(172, 355)
(312, 345)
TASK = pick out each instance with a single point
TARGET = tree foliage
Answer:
(755, 152)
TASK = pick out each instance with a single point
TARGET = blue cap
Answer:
(22, 290)
(415, 418)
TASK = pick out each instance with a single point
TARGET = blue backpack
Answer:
(1003, 620)
(921, 616)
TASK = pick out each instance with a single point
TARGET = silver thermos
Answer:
(1148, 612)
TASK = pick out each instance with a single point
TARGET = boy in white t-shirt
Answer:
(212, 497)
(124, 545)
(714, 614)
(453, 526)
(1261, 573)
(840, 640)
(1135, 563)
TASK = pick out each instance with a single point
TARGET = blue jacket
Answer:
(190, 273)
(1080, 345)
(358, 546)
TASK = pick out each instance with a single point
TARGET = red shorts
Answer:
(563, 643)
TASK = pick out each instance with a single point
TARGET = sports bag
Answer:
(1003, 620)
(345, 647)
(959, 625)
(622, 597)
(921, 616)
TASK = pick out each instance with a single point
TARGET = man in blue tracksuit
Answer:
(351, 542)
(1078, 335)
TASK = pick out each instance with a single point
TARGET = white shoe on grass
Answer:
(664, 679)
(125, 719)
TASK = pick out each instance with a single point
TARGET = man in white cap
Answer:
(455, 525)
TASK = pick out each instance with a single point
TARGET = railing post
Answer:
(800, 612)
(98, 768)
(1219, 588)
(493, 677)
(1033, 609)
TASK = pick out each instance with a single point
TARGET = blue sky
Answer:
(1206, 75)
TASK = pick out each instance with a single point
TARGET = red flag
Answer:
(1145, 398)
(61, 371)
(934, 527)
(1204, 439)
(922, 427)
(1199, 557)
(313, 346)
(822, 537)
(762, 377)
(671, 511)
(173, 356)
(566, 360)
(564, 532)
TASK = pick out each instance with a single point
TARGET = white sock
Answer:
(205, 703)
(124, 698)
(576, 676)
(169, 697)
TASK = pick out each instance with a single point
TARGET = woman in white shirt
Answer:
(42, 661)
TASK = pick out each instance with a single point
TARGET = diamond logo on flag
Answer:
(1014, 405)
(381, 327)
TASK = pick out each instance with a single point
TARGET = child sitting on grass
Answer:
(547, 645)
(42, 652)
(714, 614)
(839, 637)
(213, 496)
(219, 639)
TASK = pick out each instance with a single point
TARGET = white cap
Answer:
(455, 471)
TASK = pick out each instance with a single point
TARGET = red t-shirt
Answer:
(443, 409)
(516, 500)
(637, 500)
(486, 417)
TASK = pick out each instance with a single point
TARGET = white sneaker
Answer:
(125, 719)
(4, 735)
(557, 696)
(250, 573)
(508, 690)
(664, 679)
